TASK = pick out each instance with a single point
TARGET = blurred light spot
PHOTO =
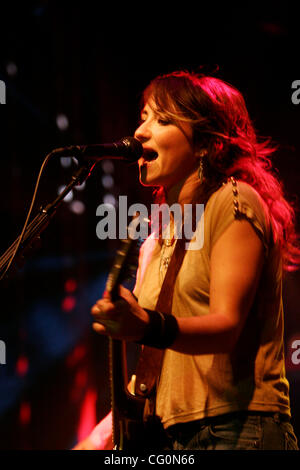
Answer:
(66, 162)
(68, 303)
(81, 186)
(25, 413)
(68, 197)
(81, 378)
(76, 356)
(80, 382)
(70, 285)
(22, 366)
(109, 199)
(107, 181)
(88, 419)
(77, 207)
(11, 69)
(62, 122)
(107, 166)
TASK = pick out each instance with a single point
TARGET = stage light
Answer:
(107, 181)
(22, 366)
(81, 378)
(107, 166)
(11, 69)
(76, 356)
(80, 187)
(68, 303)
(109, 199)
(70, 285)
(88, 418)
(77, 207)
(66, 162)
(62, 122)
(25, 413)
(68, 197)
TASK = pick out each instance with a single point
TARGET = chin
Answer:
(148, 183)
(148, 178)
(144, 178)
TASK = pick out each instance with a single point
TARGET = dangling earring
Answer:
(200, 168)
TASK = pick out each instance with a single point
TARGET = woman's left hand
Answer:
(121, 319)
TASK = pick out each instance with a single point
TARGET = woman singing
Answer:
(222, 383)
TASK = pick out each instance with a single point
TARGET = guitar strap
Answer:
(150, 360)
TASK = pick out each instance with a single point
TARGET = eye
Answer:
(163, 121)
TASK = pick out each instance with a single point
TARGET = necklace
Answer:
(165, 255)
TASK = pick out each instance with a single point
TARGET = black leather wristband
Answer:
(161, 331)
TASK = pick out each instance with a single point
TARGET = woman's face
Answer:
(168, 156)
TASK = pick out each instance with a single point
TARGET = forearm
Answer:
(207, 334)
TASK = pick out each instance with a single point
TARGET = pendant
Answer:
(165, 262)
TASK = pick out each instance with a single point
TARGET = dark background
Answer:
(90, 64)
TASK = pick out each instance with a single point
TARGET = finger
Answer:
(108, 327)
(106, 295)
(127, 296)
(124, 293)
(102, 308)
(102, 320)
(104, 304)
(99, 328)
(97, 309)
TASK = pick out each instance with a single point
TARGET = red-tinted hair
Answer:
(221, 124)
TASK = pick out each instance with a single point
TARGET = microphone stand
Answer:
(39, 223)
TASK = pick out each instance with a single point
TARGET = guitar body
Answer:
(127, 409)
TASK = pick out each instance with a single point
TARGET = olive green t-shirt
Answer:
(252, 376)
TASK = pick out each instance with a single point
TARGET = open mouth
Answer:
(150, 155)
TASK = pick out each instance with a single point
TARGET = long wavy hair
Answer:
(221, 124)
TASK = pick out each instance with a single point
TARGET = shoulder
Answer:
(237, 189)
(237, 200)
(240, 196)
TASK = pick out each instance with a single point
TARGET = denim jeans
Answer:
(235, 431)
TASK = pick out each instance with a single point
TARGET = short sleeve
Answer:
(233, 202)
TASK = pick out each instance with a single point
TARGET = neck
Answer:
(183, 191)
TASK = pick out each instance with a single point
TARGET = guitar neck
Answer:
(126, 408)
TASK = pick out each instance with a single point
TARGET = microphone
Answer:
(128, 149)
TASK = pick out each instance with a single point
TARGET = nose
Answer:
(143, 132)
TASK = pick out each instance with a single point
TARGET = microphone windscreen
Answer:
(133, 148)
